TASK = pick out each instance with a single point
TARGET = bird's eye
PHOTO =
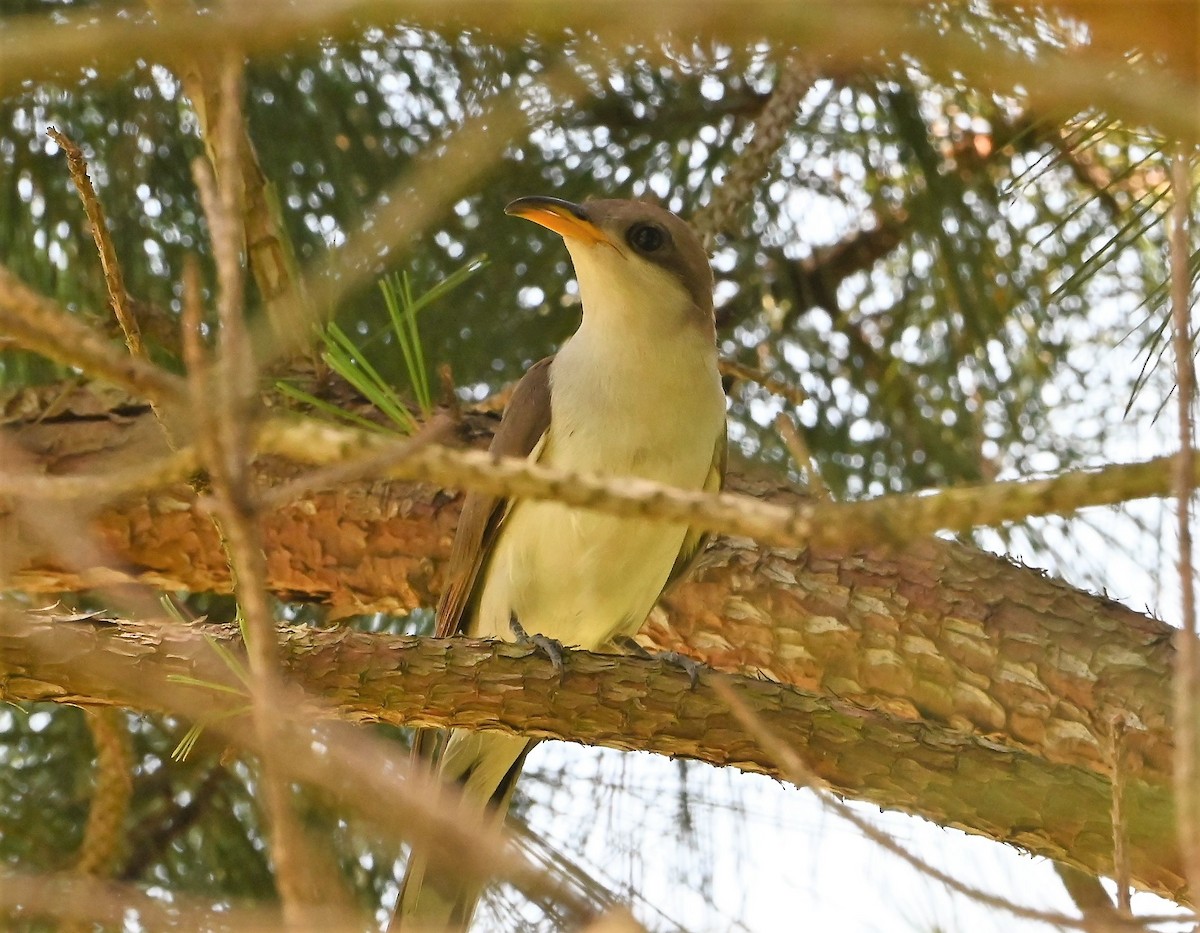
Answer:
(646, 238)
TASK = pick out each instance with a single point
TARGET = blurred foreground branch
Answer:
(944, 675)
(42, 48)
(892, 519)
(401, 799)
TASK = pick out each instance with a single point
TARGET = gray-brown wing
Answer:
(525, 420)
(695, 540)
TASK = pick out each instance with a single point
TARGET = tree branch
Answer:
(37, 323)
(114, 280)
(36, 47)
(934, 679)
(223, 394)
(893, 519)
(1053, 804)
(402, 799)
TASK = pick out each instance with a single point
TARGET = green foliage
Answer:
(1028, 260)
(403, 306)
(924, 369)
(44, 790)
(349, 360)
(235, 666)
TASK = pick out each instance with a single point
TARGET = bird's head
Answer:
(632, 259)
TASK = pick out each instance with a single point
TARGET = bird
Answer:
(634, 392)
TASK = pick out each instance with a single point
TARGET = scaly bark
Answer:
(947, 772)
(937, 680)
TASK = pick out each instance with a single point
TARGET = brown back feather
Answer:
(526, 418)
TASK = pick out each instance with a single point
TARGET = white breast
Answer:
(620, 407)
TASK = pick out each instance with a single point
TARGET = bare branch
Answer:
(35, 47)
(103, 487)
(34, 322)
(367, 466)
(798, 772)
(792, 394)
(1007, 767)
(113, 279)
(815, 280)
(390, 790)
(91, 901)
(221, 395)
(1187, 672)
(891, 519)
(894, 519)
(802, 456)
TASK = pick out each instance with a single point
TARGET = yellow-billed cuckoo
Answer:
(635, 392)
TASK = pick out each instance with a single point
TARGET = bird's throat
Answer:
(636, 405)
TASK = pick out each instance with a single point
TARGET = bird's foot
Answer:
(550, 647)
(627, 644)
(690, 665)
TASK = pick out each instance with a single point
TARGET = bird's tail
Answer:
(486, 766)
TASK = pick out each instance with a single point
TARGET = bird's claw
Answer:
(690, 665)
(630, 645)
(550, 647)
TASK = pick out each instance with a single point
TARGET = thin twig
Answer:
(369, 466)
(800, 774)
(892, 519)
(1118, 724)
(34, 322)
(113, 279)
(270, 253)
(223, 442)
(793, 395)
(794, 441)
(1187, 672)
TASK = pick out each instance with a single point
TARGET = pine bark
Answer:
(937, 679)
